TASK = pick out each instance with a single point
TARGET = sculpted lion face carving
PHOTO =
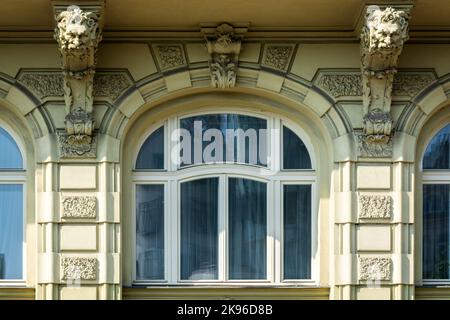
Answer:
(76, 29)
(385, 29)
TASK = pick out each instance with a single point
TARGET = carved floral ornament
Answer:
(78, 34)
(375, 206)
(278, 56)
(223, 46)
(374, 268)
(79, 207)
(74, 268)
(169, 56)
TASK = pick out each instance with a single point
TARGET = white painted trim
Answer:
(272, 175)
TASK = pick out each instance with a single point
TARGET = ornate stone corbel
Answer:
(78, 33)
(382, 37)
(224, 45)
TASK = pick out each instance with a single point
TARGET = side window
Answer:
(436, 208)
(12, 179)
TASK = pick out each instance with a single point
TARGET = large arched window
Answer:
(12, 179)
(436, 208)
(224, 198)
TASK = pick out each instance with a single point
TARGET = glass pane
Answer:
(436, 244)
(297, 231)
(437, 152)
(150, 232)
(199, 229)
(151, 155)
(295, 154)
(247, 229)
(219, 138)
(10, 157)
(11, 231)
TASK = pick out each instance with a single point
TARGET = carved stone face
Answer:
(76, 29)
(387, 29)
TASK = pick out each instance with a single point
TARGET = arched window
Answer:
(224, 198)
(12, 179)
(436, 208)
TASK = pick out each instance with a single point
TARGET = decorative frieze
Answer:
(278, 56)
(341, 85)
(375, 206)
(374, 268)
(382, 38)
(43, 84)
(78, 33)
(74, 268)
(79, 207)
(224, 47)
(169, 56)
(410, 84)
(111, 84)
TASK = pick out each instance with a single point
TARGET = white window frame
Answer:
(275, 177)
(17, 177)
(432, 176)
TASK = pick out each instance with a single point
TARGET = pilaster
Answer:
(78, 202)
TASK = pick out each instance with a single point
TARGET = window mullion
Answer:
(278, 207)
(270, 238)
(222, 225)
(174, 205)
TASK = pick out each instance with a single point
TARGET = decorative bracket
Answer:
(382, 37)
(224, 45)
(78, 32)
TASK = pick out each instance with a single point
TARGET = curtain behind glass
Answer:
(151, 155)
(437, 152)
(199, 229)
(150, 232)
(295, 154)
(223, 122)
(10, 156)
(436, 245)
(11, 231)
(297, 231)
(247, 229)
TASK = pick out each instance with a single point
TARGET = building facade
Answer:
(288, 150)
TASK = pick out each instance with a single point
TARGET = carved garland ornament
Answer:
(382, 39)
(375, 206)
(79, 207)
(79, 268)
(223, 47)
(374, 268)
(78, 34)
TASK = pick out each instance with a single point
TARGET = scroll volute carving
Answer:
(78, 33)
(224, 45)
(382, 38)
